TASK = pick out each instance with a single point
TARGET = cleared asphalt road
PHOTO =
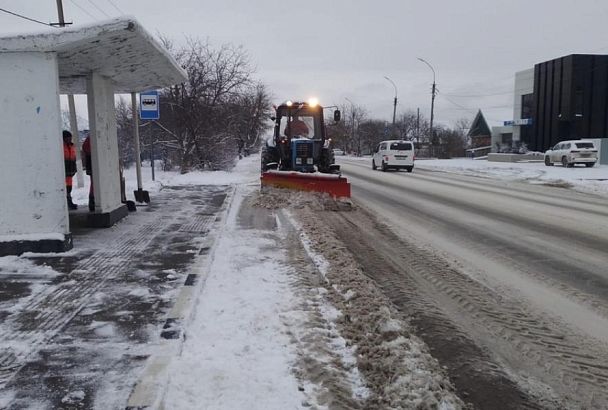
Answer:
(538, 260)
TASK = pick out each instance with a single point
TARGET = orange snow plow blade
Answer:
(335, 185)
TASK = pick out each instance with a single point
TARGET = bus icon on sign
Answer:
(149, 106)
(148, 103)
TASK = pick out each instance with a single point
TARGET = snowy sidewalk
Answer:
(77, 328)
(237, 339)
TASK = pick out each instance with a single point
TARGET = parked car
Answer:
(338, 151)
(570, 153)
(394, 154)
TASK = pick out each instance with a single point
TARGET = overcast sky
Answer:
(334, 49)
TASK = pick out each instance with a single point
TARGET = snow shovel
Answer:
(142, 196)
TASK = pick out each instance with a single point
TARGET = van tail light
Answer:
(414, 157)
(386, 157)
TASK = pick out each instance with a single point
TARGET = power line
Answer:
(462, 107)
(26, 18)
(479, 95)
(85, 11)
(99, 8)
(116, 7)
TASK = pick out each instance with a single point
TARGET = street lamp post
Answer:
(352, 111)
(394, 101)
(432, 97)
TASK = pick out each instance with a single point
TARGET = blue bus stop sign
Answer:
(149, 107)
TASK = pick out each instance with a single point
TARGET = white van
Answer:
(394, 154)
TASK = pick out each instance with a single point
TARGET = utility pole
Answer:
(352, 111)
(432, 111)
(418, 126)
(62, 22)
(60, 13)
(433, 92)
(394, 102)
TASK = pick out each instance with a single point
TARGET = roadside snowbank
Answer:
(246, 170)
(590, 180)
(392, 367)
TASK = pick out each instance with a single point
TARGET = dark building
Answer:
(570, 101)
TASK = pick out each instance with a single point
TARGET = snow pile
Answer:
(592, 180)
(246, 171)
(396, 364)
(277, 198)
(23, 273)
(24, 268)
(398, 370)
(326, 357)
(73, 398)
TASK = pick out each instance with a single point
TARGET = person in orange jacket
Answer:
(87, 164)
(69, 159)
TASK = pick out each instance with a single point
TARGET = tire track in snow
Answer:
(425, 286)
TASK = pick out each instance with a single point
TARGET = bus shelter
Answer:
(101, 60)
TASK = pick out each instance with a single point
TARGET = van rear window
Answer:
(584, 145)
(401, 146)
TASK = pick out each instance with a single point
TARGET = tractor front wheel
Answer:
(326, 159)
(269, 154)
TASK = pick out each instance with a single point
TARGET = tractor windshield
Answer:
(300, 123)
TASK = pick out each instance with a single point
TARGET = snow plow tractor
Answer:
(299, 155)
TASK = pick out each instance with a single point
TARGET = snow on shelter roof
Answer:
(120, 49)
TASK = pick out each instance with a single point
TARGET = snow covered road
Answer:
(519, 269)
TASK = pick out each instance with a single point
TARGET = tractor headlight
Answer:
(313, 102)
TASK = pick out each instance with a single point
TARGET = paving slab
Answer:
(81, 337)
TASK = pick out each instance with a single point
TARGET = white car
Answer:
(394, 154)
(338, 151)
(569, 153)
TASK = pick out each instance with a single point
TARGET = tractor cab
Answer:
(299, 135)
